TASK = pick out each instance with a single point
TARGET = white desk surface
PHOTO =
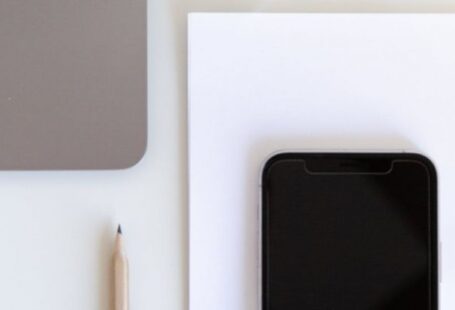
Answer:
(57, 228)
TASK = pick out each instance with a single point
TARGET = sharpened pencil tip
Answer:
(119, 229)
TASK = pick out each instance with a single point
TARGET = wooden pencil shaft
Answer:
(121, 301)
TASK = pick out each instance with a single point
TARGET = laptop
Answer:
(73, 84)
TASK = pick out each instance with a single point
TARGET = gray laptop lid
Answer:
(73, 86)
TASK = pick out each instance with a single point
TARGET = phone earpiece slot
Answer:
(340, 165)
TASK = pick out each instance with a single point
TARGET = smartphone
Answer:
(349, 231)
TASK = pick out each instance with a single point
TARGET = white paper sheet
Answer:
(263, 82)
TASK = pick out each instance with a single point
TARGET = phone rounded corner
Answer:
(426, 162)
(267, 162)
(270, 160)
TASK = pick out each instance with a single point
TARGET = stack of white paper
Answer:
(263, 82)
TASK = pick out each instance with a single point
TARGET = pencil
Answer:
(120, 273)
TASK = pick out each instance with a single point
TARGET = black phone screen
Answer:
(349, 232)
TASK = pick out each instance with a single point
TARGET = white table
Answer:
(57, 228)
